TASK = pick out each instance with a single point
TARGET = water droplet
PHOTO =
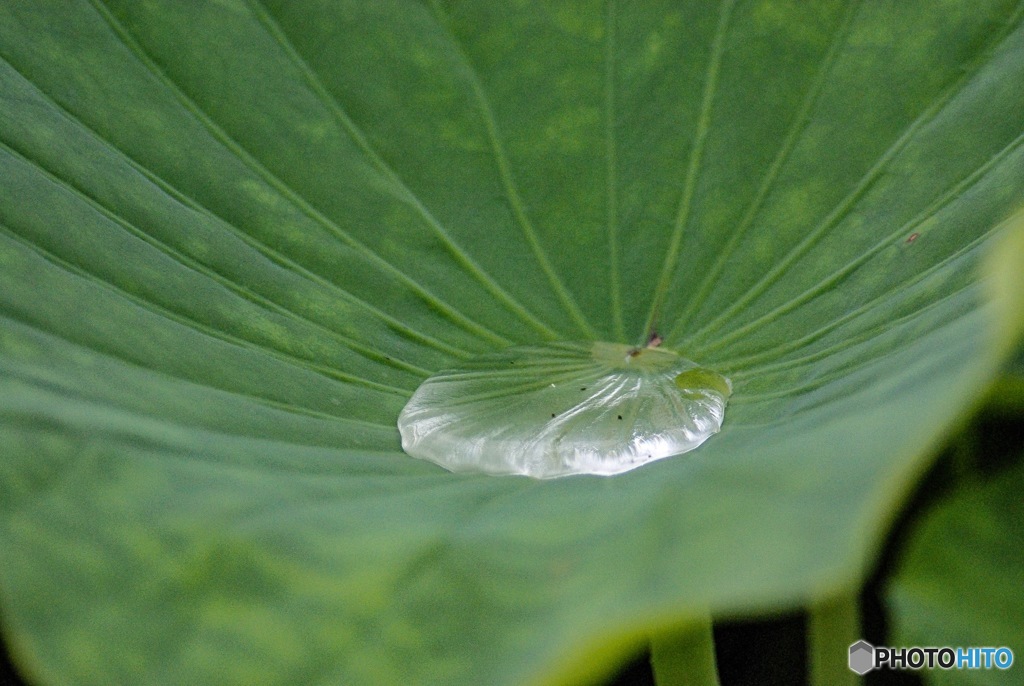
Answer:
(520, 411)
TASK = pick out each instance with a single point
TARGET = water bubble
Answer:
(564, 408)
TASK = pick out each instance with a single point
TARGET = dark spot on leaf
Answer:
(620, 416)
(583, 388)
(552, 414)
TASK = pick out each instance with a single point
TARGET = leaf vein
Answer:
(267, 251)
(863, 185)
(847, 370)
(333, 105)
(890, 294)
(26, 377)
(904, 229)
(797, 126)
(505, 172)
(611, 190)
(160, 310)
(692, 169)
(853, 341)
(439, 305)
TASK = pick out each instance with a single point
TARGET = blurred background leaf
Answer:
(960, 578)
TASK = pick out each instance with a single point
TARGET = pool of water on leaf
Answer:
(561, 409)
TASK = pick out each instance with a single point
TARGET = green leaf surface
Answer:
(959, 583)
(236, 236)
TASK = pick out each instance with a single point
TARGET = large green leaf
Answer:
(235, 237)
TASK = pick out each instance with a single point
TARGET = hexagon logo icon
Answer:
(862, 657)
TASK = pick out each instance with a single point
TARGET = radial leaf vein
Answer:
(904, 229)
(611, 190)
(203, 269)
(92, 400)
(230, 285)
(693, 167)
(192, 324)
(875, 303)
(846, 370)
(267, 251)
(508, 184)
(862, 186)
(291, 194)
(331, 102)
(799, 123)
(848, 342)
